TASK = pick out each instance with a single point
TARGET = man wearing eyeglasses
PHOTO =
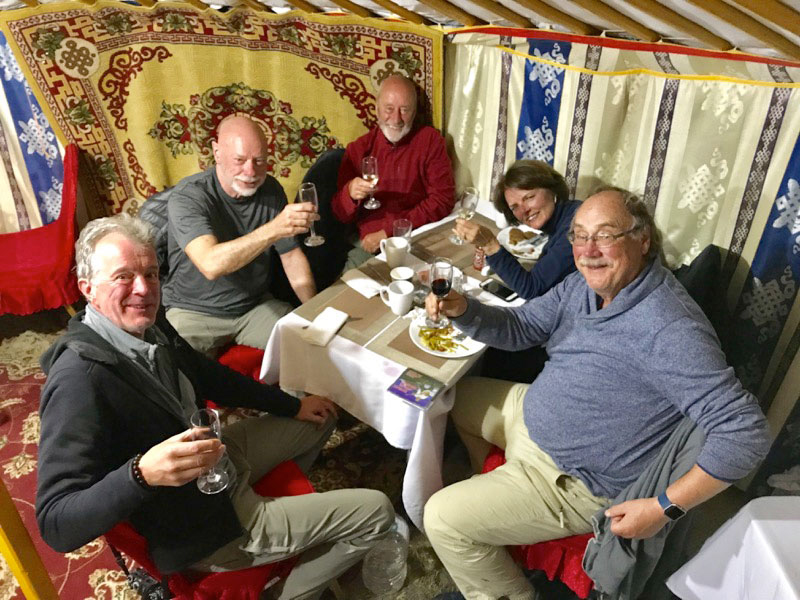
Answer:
(631, 355)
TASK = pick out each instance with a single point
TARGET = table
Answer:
(370, 351)
(756, 554)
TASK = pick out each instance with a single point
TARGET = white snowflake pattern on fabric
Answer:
(11, 68)
(546, 74)
(38, 137)
(537, 144)
(768, 303)
(703, 190)
(789, 207)
(51, 199)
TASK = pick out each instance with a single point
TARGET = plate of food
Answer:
(522, 241)
(447, 342)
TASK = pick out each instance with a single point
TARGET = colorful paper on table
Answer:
(417, 389)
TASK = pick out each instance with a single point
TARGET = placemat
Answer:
(363, 312)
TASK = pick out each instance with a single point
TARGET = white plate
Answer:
(530, 250)
(467, 347)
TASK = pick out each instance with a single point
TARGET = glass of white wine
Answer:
(205, 425)
(308, 193)
(369, 172)
(469, 201)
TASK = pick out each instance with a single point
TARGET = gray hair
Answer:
(642, 219)
(133, 228)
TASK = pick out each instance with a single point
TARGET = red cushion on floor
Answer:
(244, 359)
(560, 559)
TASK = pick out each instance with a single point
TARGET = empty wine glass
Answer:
(369, 172)
(441, 278)
(308, 193)
(469, 201)
(205, 425)
(402, 228)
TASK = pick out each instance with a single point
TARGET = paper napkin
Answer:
(361, 283)
(324, 327)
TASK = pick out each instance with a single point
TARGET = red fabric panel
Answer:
(246, 584)
(36, 270)
(560, 559)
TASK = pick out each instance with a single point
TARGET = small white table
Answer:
(755, 555)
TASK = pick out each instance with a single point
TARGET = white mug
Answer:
(401, 274)
(395, 249)
(398, 296)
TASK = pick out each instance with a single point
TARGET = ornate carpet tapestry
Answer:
(709, 141)
(141, 90)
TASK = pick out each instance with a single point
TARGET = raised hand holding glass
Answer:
(308, 193)
(369, 172)
(469, 202)
(205, 425)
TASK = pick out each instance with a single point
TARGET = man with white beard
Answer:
(222, 223)
(415, 177)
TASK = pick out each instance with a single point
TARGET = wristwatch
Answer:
(672, 511)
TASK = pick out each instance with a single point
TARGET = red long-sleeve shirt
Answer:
(415, 181)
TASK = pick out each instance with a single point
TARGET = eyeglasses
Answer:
(601, 239)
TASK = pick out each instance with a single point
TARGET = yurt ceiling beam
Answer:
(504, 12)
(453, 12)
(608, 13)
(553, 15)
(353, 8)
(747, 24)
(681, 23)
(402, 12)
(775, 12)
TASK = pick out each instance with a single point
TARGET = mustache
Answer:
(585, 261)
(244, 179)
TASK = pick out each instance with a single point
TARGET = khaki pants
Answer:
(208, 333)
(522, 502)
(332, 530)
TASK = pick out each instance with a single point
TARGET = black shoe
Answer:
(449, 596)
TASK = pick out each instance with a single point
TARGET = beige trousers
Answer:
(526, 500)
(332, 530)
(208, 333)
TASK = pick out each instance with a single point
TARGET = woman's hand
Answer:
(476, 234)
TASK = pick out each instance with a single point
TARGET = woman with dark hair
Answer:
(534, 194)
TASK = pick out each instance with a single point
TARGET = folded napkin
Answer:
(324, 327)
(361, 283)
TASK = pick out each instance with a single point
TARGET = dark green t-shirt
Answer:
(199, 206)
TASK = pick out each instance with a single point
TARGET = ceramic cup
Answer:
(398, 296)
(396, 250)
(401, 274)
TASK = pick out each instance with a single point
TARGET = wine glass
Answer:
(308, 193)
(441, 278)
(469, 201)
(205, 425)
(402, 228)
(369, 171)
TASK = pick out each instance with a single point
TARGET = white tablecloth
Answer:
(357, 380)
(754, 556)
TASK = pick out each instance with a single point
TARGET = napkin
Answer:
(361, 283)
(324, 327)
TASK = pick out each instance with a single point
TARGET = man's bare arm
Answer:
(298, 272)
(215, 259)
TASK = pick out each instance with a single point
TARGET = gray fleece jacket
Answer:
(620, 379)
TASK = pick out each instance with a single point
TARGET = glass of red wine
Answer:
(441, 278)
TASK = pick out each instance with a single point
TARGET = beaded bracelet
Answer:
(136, 471)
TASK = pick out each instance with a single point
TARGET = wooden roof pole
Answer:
(504, 12)
(558, 17)
(454, 12)
(632, 26)
(739, 20)
(404, 13)
(681, 23)
(353, 8)
(777, 13)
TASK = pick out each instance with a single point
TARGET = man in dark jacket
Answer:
(116, 443)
